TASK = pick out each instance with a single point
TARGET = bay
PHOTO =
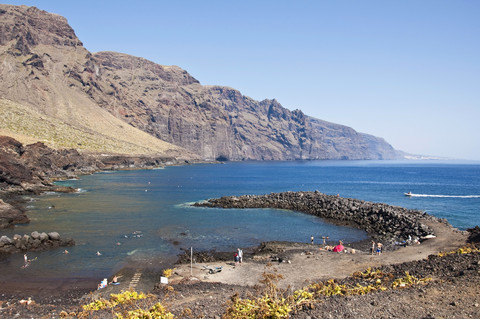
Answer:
(141, 218)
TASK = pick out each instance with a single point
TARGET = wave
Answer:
(443, 196)
(132, 252)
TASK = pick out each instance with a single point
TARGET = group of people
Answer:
(338, 248)
(377, 248)
(104, 282)
(312, 239)
(238, 256)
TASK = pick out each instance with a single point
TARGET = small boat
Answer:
(409, 194)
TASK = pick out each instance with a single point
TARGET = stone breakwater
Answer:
(34, 242)
(383, 222)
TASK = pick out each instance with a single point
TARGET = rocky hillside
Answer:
(45, 78)
(115, 96)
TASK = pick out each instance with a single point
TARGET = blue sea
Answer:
(143, 218)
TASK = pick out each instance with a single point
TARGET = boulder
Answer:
(54, 236)
(4, 240)
(36, 243)
(35, 235)
(67, 242)
(25, 239)
(43, 236)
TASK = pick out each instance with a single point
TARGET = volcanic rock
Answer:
(392, 224)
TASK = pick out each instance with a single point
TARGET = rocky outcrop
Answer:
(32, 168)
(46, 81)
(381, 221)
(53, 73)
(34, 242)
(10, 215)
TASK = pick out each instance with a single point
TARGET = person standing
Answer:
(311, 239)
(240, 255)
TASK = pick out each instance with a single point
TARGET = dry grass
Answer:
(29, 125)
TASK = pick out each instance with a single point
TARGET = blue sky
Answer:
(407, 71)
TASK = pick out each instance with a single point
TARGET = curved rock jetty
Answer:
(34, 242)
(380, 221)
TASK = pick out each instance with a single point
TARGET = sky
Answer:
(406, 71)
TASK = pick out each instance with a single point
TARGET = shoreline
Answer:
(256, 257)
(391, 225)
(309, 263)
(361, 246)
(25, 171)
(206, 293)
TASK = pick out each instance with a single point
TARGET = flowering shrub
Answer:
(168, 272)
(468, 249)
(126, 305)
(408, 281)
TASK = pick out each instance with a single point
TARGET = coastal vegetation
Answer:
(268, 300)
(28, 125)
(128, 305)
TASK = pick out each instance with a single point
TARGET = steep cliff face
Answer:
(45, 66)
(219, 122)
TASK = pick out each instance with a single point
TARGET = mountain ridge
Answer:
(117, 95)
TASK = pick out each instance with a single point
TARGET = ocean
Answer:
(143, 218)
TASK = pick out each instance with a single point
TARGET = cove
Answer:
(148, 212)
(142, 218)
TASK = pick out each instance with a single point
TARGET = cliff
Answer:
(219, 122)
(120, 103)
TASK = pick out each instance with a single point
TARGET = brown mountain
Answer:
(45, 79)
(47, 71)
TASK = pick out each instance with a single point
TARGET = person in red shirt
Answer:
(339, 248)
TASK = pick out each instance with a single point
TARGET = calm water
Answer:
(143, 217)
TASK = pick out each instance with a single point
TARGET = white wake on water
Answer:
(443, 196)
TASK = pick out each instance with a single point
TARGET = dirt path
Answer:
(322, 265)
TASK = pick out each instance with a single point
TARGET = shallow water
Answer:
(143, 218)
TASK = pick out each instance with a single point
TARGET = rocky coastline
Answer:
(32, 169)
(207, 297)
(392, 225)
